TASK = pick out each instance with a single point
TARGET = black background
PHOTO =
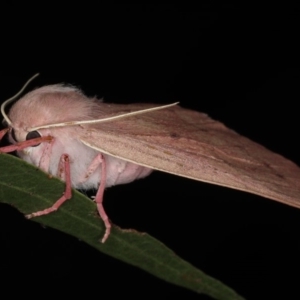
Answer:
(241, 68)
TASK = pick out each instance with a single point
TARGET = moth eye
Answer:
(32, 135)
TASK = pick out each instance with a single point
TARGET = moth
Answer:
(91, 144)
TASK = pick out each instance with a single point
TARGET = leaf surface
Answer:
(29, 189)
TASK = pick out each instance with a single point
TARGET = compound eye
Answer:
(32, 135)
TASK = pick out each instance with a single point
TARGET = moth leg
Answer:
(22, 145)
(99, 200)
(99, 159)
(65, 165)
(3, 133)
(45, 158)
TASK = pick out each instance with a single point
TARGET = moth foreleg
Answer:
(66, 195)
(22, 145)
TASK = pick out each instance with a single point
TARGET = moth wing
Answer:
(190, 144)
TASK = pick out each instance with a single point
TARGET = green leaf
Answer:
(29, 189)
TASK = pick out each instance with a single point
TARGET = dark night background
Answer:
(240, 68)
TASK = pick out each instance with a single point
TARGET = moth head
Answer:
(18, 124)
(17, 136)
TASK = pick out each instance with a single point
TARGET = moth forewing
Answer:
(192, 145)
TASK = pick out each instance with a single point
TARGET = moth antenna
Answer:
(73, 123)
(4, 104)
